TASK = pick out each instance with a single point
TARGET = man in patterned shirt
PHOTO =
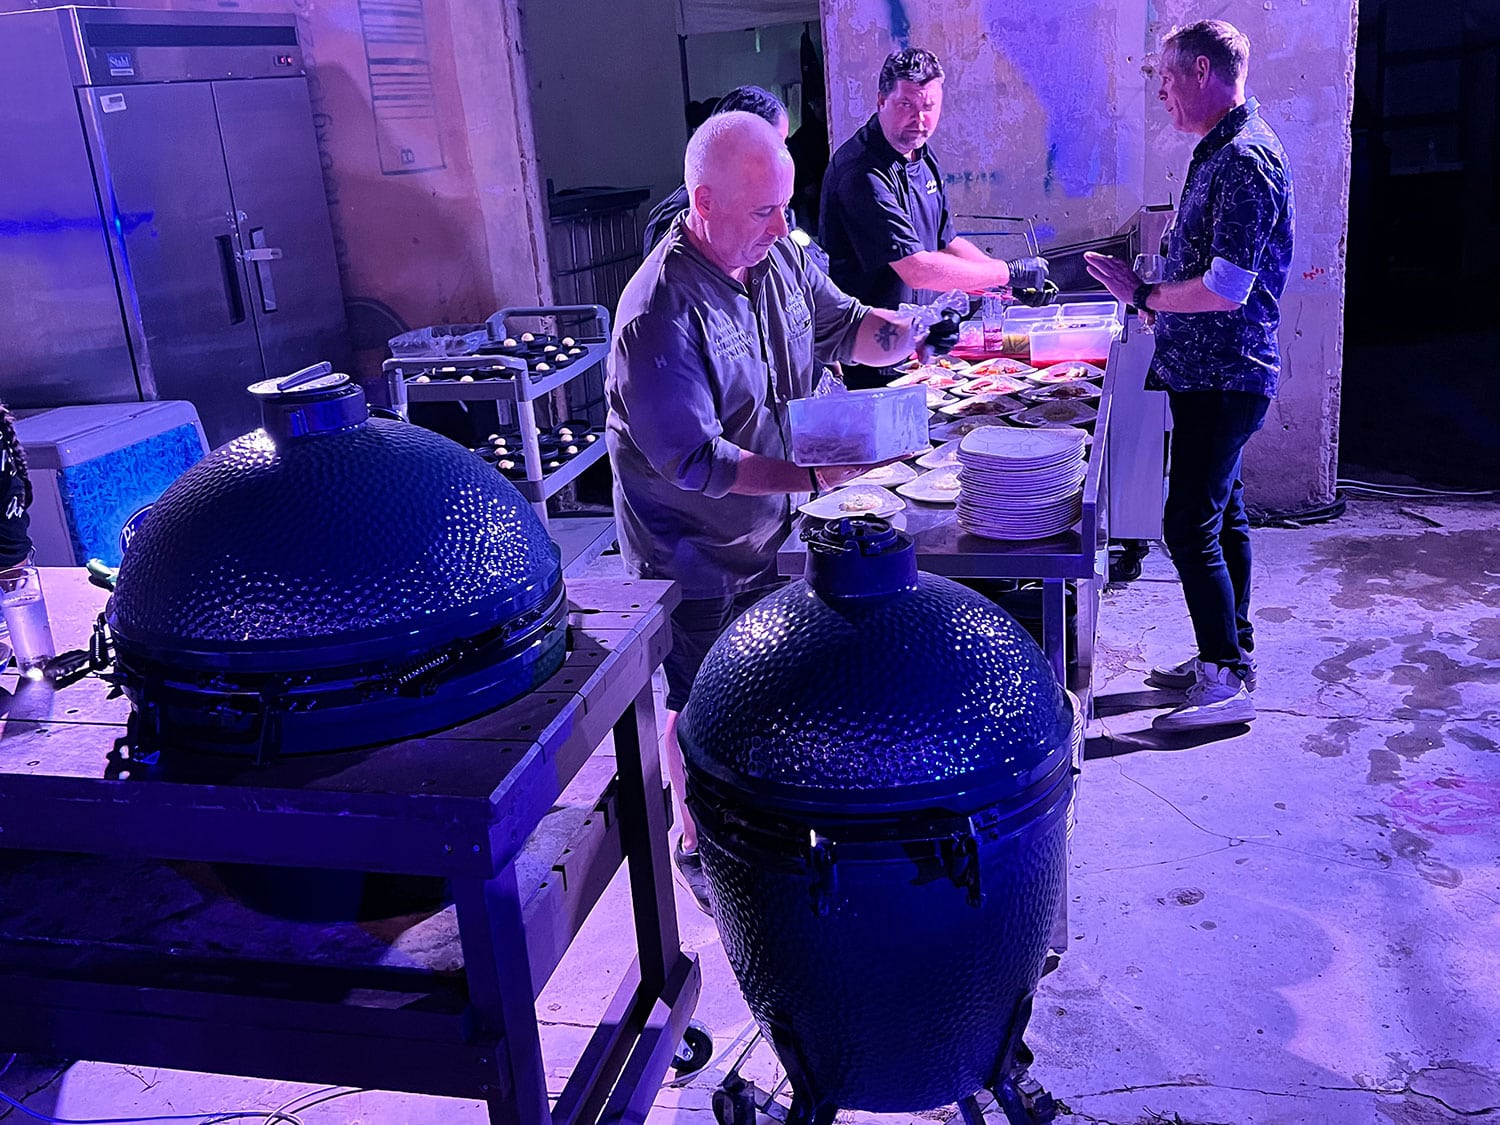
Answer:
(1217, 356)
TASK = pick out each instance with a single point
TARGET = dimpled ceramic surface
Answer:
(377, 532)
(901, 997)
(893, 979)
(925, 690)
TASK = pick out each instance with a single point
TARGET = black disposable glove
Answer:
(1036, 298)
(1027, 273)
(943, 335)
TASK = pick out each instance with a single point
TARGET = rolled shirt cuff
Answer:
(711, 470)
(1229, 281)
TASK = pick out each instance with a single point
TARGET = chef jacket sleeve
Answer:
(660, 387)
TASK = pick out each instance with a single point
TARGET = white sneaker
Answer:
(1217, 698)
(1185, 675)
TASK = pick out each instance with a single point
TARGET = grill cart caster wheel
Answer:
(734, 1102)
(694, 1052)
(1024, 1101)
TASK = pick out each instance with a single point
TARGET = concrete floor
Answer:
(1295, 922)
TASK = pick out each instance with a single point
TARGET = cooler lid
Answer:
(68, 435)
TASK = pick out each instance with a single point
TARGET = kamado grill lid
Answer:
(870, 685)
(326, 538)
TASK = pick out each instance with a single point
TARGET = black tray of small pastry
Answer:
(542, 353)
(557, 446)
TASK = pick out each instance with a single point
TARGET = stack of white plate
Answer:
(1020, 484)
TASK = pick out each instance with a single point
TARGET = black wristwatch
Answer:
(1141, 295)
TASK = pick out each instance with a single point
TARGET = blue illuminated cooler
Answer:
(95, 470)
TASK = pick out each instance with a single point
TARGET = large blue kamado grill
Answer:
(879, 764)
(329, 581)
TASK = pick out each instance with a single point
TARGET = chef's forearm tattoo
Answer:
(885, 336)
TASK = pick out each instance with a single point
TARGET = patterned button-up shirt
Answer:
(1234, 230)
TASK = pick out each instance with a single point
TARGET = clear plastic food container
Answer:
(859, 427)
(1088, 341)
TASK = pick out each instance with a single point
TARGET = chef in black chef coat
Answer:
(884, 216)
(15, 495)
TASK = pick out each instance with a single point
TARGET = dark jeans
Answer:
(1205, 528)
(696, 625)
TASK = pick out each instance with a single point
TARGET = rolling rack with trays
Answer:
(513, 381)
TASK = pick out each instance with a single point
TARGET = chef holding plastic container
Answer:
(725, 323)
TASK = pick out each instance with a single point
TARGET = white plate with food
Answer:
(948, 431)
(930, 376)
(1067, 372)
(886, 476)
(946, 362)
(940, 486)
(858, 500)
(1075, 389)
(1064, 413)
(995, 385)
(945, 454)
(983, 404)
(1000, 365)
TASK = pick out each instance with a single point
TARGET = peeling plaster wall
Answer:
(1049, 113)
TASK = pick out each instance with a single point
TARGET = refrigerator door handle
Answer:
(229, 262)
(263, 255)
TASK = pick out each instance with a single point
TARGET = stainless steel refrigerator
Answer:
(164, 231)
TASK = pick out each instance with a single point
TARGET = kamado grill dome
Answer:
(329, 581)
(879, 763)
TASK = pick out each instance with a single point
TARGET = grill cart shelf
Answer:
(507, 379)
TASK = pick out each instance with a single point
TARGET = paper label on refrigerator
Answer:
(112, 103)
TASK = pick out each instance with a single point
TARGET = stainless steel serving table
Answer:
(1080, 555)
(130, 979)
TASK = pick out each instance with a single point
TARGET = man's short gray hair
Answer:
(1224, 46)
(910, 65)
(721, 133)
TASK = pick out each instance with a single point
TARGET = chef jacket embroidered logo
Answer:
(798, 319)
(932, 186)
(727, 341)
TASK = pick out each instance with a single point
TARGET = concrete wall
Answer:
(606, 92)
(1050, 112)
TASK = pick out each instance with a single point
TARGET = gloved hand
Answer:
(1036, 298)
(1027, 273)
(943, 335)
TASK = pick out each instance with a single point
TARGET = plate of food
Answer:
(945, 454)
(927, 376)
(1080, 389)
(937, 397)
(950, 431)
(1001, 365)
(994, 385)
(857, 500)
(1063, 413)
(983, 404)
(949, 363)
(887, 476)
(940, 486)
(1067, 373)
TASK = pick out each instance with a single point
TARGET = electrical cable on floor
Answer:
(275, 1115)
(201, 1118)
(1413, 491)
(1300, 518)
(329, 1093)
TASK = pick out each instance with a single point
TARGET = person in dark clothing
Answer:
(1217, 355)
(746, 99)
(15, 495)
(884, 217)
